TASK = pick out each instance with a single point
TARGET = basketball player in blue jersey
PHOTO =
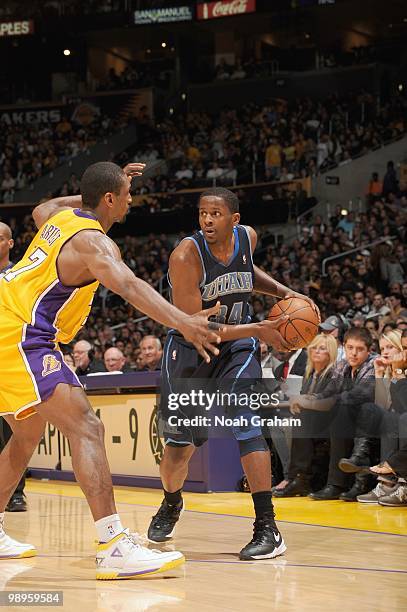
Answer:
(45, 299)
(216, 264)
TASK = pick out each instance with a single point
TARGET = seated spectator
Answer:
(335, 326)
(151, 353)
(360, 304)
(378, 306)
(69, 360)
(397, 306)
(372, 326)
(84, 358)
(401, 323)
(229, 176)
(351, 385)
(115, 361)
(184, 173)
(393, 395)
(347, 223)
(290, 365)
(321, 359)
(215, 172)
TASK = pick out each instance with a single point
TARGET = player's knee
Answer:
(87, 424)
(92, 426)
(178, 455)
(28, 432)
(252, 445)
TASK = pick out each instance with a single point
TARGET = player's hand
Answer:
(294, 294)
(197, 329)
(134, 169)
(295, 409)
(268, 333)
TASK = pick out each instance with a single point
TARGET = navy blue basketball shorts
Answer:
(184, 372)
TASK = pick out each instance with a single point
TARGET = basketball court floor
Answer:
(339, 555)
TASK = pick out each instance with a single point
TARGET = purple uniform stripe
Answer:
(46, 364)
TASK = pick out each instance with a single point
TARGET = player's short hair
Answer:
(230, 198)
(359, 333)
(98, 179)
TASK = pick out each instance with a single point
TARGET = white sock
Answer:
(2, 522)
(108, 527)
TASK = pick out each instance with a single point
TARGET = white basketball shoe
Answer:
(11, 549)
(124, 557)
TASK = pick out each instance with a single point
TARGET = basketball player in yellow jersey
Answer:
(45, 299)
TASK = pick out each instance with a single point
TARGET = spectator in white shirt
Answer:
(215, 172)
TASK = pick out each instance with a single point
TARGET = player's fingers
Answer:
(212, 311)
(277, 322)
(213, 338)
(283, 342)
(211, 347)
(216, 326)
(202, 352)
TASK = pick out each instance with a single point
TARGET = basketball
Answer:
(303, 322)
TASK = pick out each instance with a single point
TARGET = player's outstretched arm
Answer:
(104, 262)
(48, 209)
(267, 285)
(185, 271)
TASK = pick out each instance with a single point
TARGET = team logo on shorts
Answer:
(49, 365)
(244, 259)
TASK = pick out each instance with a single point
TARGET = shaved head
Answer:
(5, 231)
(6, 244)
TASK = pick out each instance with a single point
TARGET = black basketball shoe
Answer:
(163, 523)
(267, 541)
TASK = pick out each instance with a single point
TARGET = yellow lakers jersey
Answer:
(32, 291)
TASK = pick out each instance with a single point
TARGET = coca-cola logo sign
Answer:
(225, 8)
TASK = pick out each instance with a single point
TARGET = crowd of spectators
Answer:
(30, 150)
(367, 288)
(279, 141)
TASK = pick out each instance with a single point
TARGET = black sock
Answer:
(173, 498)
(262, 503)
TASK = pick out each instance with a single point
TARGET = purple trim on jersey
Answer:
(84, 214)
(46, 364)
(8, 267)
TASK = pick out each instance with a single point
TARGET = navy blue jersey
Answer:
(230, 284)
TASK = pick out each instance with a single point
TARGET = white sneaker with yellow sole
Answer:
(124, 557)
(11, 549)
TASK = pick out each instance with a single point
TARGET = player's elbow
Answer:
(36, 214)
